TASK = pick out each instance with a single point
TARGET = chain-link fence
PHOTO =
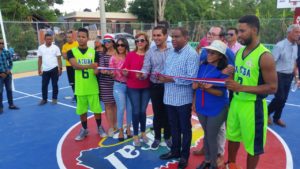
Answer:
(27, 36)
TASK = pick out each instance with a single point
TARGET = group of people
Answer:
(179, 81)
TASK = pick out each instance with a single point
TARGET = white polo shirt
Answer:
(49, 56)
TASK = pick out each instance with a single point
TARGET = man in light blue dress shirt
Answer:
(183, 61)
(285, 55)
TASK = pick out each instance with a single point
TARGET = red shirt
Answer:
(134, 61)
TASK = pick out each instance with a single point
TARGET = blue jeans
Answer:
(139, 99)
(180, 122)
(122, 100)
(7, 82)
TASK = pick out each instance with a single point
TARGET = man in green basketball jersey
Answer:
(254, 78)
(84, 61)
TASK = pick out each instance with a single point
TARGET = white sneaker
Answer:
(110, 132)
(82, 134)
(102, 132)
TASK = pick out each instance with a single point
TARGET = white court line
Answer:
(23, 97)
(30, 95)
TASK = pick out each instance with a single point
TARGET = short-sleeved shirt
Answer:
(68, 46)
(208, 104)
(285, 55)
(182, 63)
(49, 56)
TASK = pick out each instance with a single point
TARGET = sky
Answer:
(77, 5)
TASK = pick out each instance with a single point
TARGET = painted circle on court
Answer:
(106, 153)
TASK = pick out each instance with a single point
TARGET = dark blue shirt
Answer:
(5, 61)
(210, 105)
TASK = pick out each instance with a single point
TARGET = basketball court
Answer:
(36, 137)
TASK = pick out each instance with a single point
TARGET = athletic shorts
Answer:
(247, 123)
(88, 101)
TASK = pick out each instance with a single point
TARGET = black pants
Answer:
(47, 75)
(71, 76)
(181, 129)
(160, 119)
(7, 82)
(278, 102)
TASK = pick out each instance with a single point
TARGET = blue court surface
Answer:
(41, 137)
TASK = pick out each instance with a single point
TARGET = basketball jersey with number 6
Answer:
(85, 80)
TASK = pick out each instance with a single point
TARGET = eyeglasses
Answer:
(230, 34)
(1, 43)
(122, 45)
(107, 41)
(140, 40)
(212, 34)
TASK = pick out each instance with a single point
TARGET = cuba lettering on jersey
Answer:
(247, 71)
(85, 80)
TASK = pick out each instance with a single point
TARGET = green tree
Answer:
(143, 9)
(115, 5)
(20, 10)
(23, 37)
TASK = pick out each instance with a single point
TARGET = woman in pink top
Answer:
(138, 90)
(120, 88)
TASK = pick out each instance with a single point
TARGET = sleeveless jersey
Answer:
(85, 80)
(248, 73)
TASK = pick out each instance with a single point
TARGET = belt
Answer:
(120, 82)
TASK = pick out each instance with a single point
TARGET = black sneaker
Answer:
(155, 145)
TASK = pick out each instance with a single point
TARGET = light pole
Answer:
(102, 18)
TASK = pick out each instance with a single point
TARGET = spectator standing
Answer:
(71, 43)
(120, 88)
(231, 38)
(138, 90)
(106, 83)
(6, 65)
(211, 102)
(49, 67)
(254, 78)
(154, 63)
(84, 60)
(285, 55)
(182, 61)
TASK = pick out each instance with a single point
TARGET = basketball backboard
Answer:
(288, 4)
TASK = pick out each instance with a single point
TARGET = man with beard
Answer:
(254, 78)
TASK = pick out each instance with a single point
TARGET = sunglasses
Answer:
(122, 45)
(107, 41)
(230, 34)
(140, 40)
(2, 43)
